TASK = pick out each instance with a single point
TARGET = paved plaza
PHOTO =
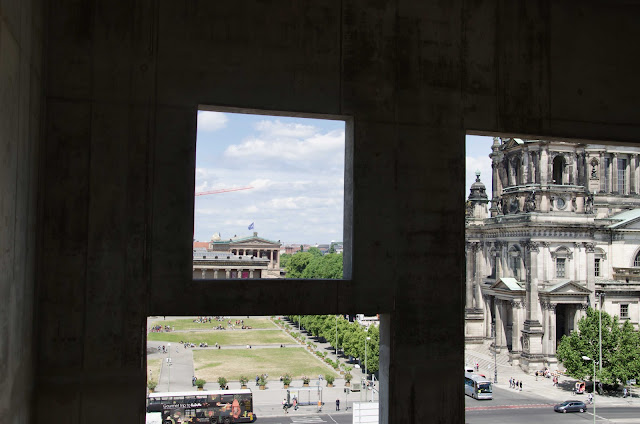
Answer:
(177, 371)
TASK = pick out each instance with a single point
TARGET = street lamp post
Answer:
(495, 349)
(366, 374)
(336, 337)
(586, 358)
(169, 367)
(600, 296)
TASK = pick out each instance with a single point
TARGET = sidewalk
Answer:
(542, 387)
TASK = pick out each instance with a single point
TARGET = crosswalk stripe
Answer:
(307, 420)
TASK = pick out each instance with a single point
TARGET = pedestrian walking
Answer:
(257, 378)
(520, 385)
(285, 406)
(624, 392)
(295, 403)
(337, 404)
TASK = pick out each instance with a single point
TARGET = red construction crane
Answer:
(224, 190)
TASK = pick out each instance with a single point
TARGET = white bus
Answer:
(477, 386)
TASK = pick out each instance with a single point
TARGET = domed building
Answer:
(562, 234)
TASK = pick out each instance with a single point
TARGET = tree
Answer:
(315, 252)
(297, 264)
(620, 349)
(285, 258)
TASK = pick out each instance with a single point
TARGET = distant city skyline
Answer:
(295, 167)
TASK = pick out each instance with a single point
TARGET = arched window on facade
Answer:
(558, 169)
(636, 261)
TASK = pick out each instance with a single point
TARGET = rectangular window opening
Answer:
(269, 196)
(521, 195)
(624, 311)
(306, 358)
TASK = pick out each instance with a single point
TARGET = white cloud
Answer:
(297, 174)
(278, 129)
(211, 121)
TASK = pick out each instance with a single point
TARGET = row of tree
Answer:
(620, 349)
(351, 336)
(312, 264)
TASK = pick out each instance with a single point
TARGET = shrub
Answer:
(262, 381)
(286, 379)
(244, 380)
(348, 377)
(222, 382)
(152, 384)
(200, 383)
(330, 378)
(306, 380)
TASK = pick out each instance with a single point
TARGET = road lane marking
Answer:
(493, 407)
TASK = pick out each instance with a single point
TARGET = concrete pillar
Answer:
(479, 275)
(544, 165)
(524, 170)
(499, 324)
(614, 173)
(204, 274)
(251, 273)
(469, 279)
(602, 172)
(215, 274)
(531, 256)
(227, 273)
(516, 308)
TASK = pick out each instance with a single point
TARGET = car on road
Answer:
(571, 406)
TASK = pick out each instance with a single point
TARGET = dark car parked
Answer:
(571, 406)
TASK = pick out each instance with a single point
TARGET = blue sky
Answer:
(477, 158)
(296, 169)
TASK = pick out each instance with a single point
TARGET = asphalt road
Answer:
(509, 407)
(310, 418)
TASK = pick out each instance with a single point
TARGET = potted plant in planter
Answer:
(243, 381)
(305, 381)
(330, 379)
(286, 380)
(347, 379)
(152, 385)
(200, 383)
(222, 382)
(262, 382)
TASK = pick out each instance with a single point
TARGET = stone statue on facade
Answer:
(530, 202)
(588, 204)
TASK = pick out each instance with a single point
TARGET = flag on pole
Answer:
(251, 226)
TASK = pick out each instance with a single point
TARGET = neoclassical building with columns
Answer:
(237, 257)
(561, 233)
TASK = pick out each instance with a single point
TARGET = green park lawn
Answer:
(188, 324)
(153, 369)
(224, 337)
(232, 363)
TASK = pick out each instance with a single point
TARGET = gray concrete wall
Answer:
(124, 82)
(21, 37)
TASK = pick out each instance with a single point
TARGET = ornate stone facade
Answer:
(237, 257)
(564, 224)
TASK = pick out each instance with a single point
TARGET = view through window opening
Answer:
(567, 209)
(269, 196)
